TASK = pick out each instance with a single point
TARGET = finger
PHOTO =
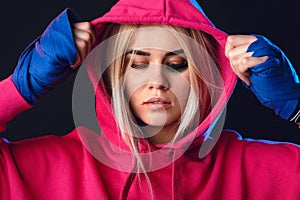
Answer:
(239, 51)
(246, 63)
(83, 48)
(234, 41)
(82, 51)
(84, 35)
(243, 69)
(244, 78)
(86, 26)
(239, 62)
(254, 61)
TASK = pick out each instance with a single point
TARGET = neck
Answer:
(160, 135)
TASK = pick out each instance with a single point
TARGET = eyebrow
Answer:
(137, 52)
(176, 52)
(143, 53)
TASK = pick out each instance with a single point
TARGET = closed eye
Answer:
(139, 66)
(178, 66)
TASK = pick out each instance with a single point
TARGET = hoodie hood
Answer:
(183, 13)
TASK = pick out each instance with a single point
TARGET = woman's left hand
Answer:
(267, 72)
(241, 60)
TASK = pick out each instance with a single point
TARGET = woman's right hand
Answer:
(52, 57)
(84, 38)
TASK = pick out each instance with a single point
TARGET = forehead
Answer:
(156, 37)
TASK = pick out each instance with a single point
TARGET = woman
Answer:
(161, 81)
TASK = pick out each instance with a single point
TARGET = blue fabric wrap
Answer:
(274, 82)
(46, 62)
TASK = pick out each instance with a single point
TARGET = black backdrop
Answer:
(22, 21)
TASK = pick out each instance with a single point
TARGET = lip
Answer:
(157, 103)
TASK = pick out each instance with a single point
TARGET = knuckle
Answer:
(230, 39)
(245, 61)
(235, 61)
(81, 43)
(230, 54)
(86, 36)
(85, 25)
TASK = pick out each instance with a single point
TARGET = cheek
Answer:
(133, 100)
(133, 81)
(132, 87)
(138, 111)
(180, 87)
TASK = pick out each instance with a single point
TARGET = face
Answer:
(157, 81)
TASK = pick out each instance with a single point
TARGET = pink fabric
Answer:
(12, 103)
(66, 167)
(177, 13)
(61, 168)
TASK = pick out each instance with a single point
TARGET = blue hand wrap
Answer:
(46, 62)
(274, 82)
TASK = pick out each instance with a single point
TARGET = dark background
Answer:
(22, 21)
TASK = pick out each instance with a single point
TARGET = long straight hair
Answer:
(203, 71)
(205, 84)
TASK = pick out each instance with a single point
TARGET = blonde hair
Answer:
(204, 92)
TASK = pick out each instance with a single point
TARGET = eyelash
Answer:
(140, 66)
(178, 67)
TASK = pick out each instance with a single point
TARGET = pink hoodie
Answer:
(81, 165)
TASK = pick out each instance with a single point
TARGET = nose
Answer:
(157, 78)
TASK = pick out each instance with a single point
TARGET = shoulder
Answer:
(260, 153)
(235, 140)
(49, 147)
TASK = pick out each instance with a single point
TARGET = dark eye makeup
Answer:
(139, 66)
(172, 60)
(178, 66)
(174, 66)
